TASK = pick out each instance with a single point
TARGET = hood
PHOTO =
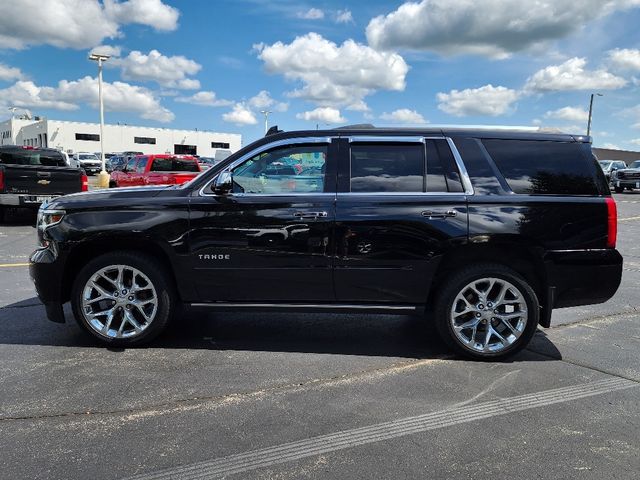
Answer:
(113, 197)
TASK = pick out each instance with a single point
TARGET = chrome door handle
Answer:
(432, 215)
(310, 215)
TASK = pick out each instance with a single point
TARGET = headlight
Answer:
(48, 218)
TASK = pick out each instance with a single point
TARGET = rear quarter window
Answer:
(545, 167)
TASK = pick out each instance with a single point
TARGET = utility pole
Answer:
(266, 119)
(103, 178)
(591, 112)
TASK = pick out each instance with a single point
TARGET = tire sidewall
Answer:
(458, 282)
(157, 276)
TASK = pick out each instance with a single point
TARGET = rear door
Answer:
(401, 204)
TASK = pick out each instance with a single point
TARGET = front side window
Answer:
(142, 164)
(298, 169)
(131, 165)
(387, 167)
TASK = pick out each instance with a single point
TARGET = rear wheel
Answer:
(123, 298)
(486, 312)
(619, 189)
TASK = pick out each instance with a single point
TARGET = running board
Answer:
(311, 307)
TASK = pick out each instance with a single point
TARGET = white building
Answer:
(75, 137)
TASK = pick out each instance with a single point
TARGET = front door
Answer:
(401, 204)
(270, 239)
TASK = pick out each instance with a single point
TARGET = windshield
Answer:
(635, 164)
(88, 157)
(605, 163)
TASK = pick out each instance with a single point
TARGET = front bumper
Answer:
(583, 277)
(626, 183)
(47, 273)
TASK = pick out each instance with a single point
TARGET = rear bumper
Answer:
(23, 200)
(583, 277)
(45, 270)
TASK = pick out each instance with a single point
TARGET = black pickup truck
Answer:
(30, 176)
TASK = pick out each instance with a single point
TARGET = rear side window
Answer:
(544, 167)
(174, 164)
(387, 167)
(33, 157)
(442, 172)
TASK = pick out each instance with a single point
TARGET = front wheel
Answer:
(486, 312)
(123, 298)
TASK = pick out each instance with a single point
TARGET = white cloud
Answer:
(171, 72)
(263, 100)
(240, 115)
(495, 28)
(635, 141)
(10, 73)
(571, 114)
(205, 99)
(625, 58)
(111, 50)
(333, 75)
(69, 95)
(344, 16)
(487, 100)
(571, 75)
(311, 14)
(611, 146)
(405, 116)
(322, 114)
(77, 23)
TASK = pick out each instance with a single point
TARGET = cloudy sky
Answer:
(215, 65)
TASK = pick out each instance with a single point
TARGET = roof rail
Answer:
(357, 126)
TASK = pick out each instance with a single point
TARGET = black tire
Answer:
(160, 280)
(2, 213)
(619, 189)
(113, 184)
(456, 282)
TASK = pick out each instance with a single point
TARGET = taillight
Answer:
(85, 183)
(612, 222)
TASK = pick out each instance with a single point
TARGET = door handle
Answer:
(432, 215)
(310, 215)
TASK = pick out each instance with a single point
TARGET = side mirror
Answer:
(223, 184)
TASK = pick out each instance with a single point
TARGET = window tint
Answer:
(299, 169)
(387, 168)
(142, 164)
(131, 164)
(442, 171)
(31, 157)
(174, 164)
(544, 167)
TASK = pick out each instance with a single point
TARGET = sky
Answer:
(216, 64)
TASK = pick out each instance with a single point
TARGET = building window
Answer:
(90, 137)
(219, 145)
(149, 140)
(179, 149)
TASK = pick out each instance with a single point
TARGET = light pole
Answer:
(266, 119)
(103, 177)
(591, 112)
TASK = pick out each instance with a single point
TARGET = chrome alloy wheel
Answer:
(119, 301)
(488, 315)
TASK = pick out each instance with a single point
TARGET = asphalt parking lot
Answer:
(317, 396)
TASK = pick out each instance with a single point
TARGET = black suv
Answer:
(483, 231)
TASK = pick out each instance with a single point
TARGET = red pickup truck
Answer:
(156, 170)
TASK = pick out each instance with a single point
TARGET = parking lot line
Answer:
(292, 451)
(628, 219)
(8, 265)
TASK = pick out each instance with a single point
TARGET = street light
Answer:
(591, 112)
(103, 177)
(266, 119)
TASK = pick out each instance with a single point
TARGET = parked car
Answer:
(31, 176)
(206, 163)
(609, 166)
(156, 170)
(116, 162)
(88, 162)
(483, 231)
(626, 178)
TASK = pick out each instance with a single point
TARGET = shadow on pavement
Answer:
(24, 323)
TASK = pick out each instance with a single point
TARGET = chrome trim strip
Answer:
(466, 181)
(306, 305)
(402, 194)
(391, 139)
(262, 148)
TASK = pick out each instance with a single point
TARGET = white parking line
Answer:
(628, 219)
(384, 431)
